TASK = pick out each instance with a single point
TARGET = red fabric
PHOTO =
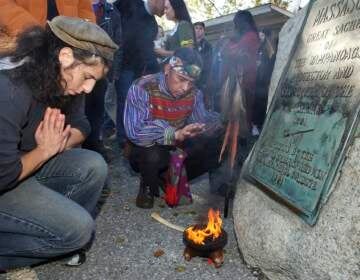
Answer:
(171, 109)
(166, 115)
(177, 188)
(244, 54)
(168, 108)
(168, 103)
(171, 195)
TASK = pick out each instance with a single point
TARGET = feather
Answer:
(226, 97)
(226, 140)
(238, 111)
(234, 141)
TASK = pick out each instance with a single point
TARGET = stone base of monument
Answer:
(272, 237)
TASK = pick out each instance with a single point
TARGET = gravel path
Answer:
(127, 238)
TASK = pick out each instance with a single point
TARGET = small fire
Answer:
(212, 230)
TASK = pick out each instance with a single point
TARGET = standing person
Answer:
(139, 32)
(239, 55)
(162, 112)
(265, 63)
(49, 188)
(108, 18)
(216, 74)
(205, 50)
(183, 33)
(237, 60)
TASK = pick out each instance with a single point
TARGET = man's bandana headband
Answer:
(192, 70)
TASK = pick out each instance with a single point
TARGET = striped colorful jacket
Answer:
(152, 114)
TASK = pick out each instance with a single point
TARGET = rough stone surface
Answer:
(287, 38)
(127, 238)
(284, 247)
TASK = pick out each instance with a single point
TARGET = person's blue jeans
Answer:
(122, 87)
(50, 214)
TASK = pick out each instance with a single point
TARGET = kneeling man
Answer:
(164, 112)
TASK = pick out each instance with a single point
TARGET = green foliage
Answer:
(257, 2)
(280, 3)
(211, 8)
(231, 6)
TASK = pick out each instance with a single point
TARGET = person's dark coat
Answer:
(265, 64)
(205, 50)
(20, 115)
(110, 21)
(237, 54)
(139, 32)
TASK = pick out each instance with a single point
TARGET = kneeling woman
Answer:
(49, 188)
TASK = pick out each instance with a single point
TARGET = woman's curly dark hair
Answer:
(41, 70)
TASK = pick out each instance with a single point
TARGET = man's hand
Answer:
(66, 135)
(50, 136)
(189, 131)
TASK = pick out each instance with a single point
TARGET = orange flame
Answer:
(213, 229)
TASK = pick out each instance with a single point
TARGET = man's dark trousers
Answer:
(152, 162)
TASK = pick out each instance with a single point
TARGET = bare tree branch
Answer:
(213, 4)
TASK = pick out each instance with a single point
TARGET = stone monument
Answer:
(297, 206)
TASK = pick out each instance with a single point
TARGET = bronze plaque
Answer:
(314, 112)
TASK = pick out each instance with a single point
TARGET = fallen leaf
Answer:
(120, 241)
(180, 268)
(161, 205)
(158, 253)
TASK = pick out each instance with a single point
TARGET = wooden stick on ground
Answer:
(156, 216)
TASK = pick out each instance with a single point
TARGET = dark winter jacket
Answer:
(20, 115)
(139, 32)
(109, 19)
(205, 50)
